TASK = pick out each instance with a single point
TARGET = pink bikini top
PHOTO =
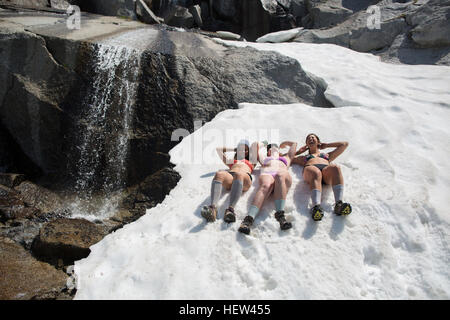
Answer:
(282, 159)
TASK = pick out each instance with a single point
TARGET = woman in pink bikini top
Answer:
(274, 178)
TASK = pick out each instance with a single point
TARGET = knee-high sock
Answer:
(236, 192)
(338, 191)
(279, 204)
(316, 196)
(216, 191)
(253, 211)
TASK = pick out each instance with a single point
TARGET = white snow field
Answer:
(394, 245)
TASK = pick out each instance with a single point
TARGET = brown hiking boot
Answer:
(229, 215)
(246, 224)
(284, 225)
(209, 213)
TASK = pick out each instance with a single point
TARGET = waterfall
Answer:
(104, 131)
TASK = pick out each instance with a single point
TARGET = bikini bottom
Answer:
(317, 165)
(231, 172)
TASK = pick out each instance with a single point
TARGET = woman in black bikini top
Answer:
(317, 169)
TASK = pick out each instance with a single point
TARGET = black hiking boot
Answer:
(229, 215)
(342, 208)
(246, 224)
(317, 213)
(284, 225)
(209, 213)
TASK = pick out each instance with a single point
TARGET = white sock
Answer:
(316, 196)
(338, 191)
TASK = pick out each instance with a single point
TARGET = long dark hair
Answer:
(270, 145)
(318, 139)
(306, 139)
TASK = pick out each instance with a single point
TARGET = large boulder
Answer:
(22, 277)
(431, 24)
(67, 239)
(178, 16)
(146, 194)
(355, 34)
(145, 14)
(325, 14)
(35, 85)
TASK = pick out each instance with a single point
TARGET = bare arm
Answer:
(222, 155)
(293, 147)
(261, 154)
(340, 147)
(301, 150)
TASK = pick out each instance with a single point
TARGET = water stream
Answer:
(104, 131)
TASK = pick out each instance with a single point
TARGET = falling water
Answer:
(104, 131)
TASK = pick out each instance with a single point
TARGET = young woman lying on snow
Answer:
(274, 178)
(238, 179)
(317, 169)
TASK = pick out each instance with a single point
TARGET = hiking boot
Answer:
(229, 215)
(284, 225)
(246, 224)
(317, 213)
(209, 213)
(342, 208)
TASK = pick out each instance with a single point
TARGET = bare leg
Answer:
(221, 179)
(266, 184)
(225, 177)
(332, 175)
(241, 183)
(313, 177)
(283, 182)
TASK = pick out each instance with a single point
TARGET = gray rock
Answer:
(355, 34)
(325, 14)
(183, 76)
(196, 12)
(147, 194)
(34, 85)
(179, 16)
(59, 4)
(431, 24)
(144, 13)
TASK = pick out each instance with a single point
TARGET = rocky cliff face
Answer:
(90, 113)
(410, 32)
(50, 90)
